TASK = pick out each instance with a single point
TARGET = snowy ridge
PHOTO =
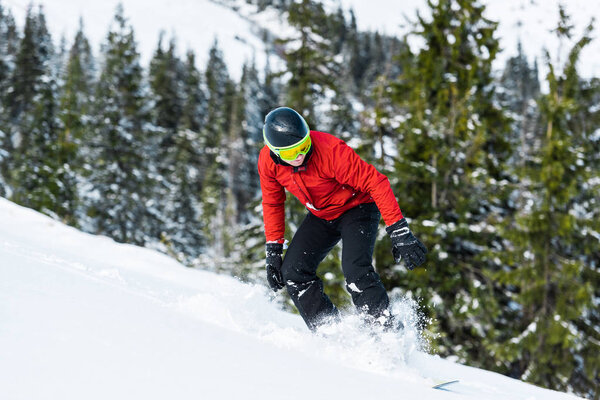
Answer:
(84, 317)
(237, 25)
(196, 24)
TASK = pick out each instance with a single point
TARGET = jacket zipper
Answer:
(304, 191)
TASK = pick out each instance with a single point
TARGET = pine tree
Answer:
(40, 177)
(8, 50)
(123, 181)
(272, 90)
(588, 249)
(337, 30)
(194, 104)
(449, 178)
(309, 57)
(381, 53)
(553, 342)
(166, 84)
(75, 108)
(356, 61)
(520, 89)
(214, 148)
(178, 113)
(587, 373)
(33, 54)
(341, 116)
(40, 180)
(8, 47)
(381, 116)
(248, 134)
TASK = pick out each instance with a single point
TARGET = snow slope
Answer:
(84, 317)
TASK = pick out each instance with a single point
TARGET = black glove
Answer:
(405, 246)
(274, 261)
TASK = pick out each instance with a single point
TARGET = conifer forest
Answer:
(498, 172)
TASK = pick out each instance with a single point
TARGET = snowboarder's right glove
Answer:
(274, 261)
(405, 246)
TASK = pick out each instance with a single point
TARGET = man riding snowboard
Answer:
(345, 198)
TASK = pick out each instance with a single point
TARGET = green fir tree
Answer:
(177, 115)
(40, 175)
(552, 270)
(450, 178)
(166, 82)
(75, 108)
(8, 49)
(193, 115)
(214, 150)
(123, 181)
(309, 57)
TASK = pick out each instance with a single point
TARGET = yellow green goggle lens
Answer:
(292, 152)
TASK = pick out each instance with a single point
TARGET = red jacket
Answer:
(332, 181)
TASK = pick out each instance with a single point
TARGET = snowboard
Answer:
(444, 385)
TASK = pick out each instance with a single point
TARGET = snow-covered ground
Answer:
(83, 317)
(196, 23)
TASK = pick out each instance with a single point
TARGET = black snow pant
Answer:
(357, 228)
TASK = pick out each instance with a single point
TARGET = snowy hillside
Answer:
(84, 317)
(196, 23)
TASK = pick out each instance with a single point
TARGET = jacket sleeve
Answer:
(273, 200)
(349, 169)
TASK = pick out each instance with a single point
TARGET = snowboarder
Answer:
(345, 198)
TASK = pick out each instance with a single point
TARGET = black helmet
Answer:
(284, 127)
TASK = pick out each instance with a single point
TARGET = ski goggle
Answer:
(290, 153)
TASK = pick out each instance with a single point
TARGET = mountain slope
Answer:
(195, 24)
(84, 317)
(237, 26)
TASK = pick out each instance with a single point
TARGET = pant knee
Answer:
(297, 272)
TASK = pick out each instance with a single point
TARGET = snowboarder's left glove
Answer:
(405, 246)
(274, 261)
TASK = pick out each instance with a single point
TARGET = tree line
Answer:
(498, 171)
